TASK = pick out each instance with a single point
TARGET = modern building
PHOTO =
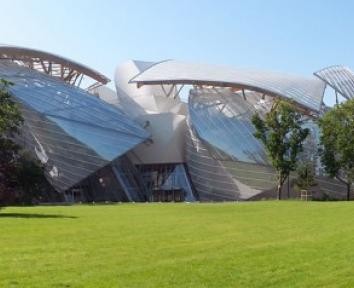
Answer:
(79, 139)
(171, 131)
(224, 160)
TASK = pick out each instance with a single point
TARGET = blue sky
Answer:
(291, 36)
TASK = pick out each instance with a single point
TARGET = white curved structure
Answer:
(159, 109)
(340, 78)
(306, 91)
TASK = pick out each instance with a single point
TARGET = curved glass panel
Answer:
(223, 120)
(72, 132)
(340, 78)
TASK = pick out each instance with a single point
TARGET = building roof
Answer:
(50, 63)
(306, 91)
(340, 78)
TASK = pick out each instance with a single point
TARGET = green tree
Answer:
(10, 115)
(305, 176)
(10, 121)
(29, 177)
(281, 132)
(337, 143)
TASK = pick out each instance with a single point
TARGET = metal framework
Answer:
(173, 89)
(67, 70)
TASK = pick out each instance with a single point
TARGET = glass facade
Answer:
(166, 182)
(72, 132)
(222, 118)
(225, 160)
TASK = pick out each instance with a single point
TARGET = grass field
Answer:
(258, 244)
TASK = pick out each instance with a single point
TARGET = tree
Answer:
(10, 115)
(10, 121)
(281, 132)
(29, 177)
(305, 176)
(337, 143)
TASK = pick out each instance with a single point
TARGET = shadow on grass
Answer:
(28, 215)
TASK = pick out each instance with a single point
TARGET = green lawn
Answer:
(255, 244)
